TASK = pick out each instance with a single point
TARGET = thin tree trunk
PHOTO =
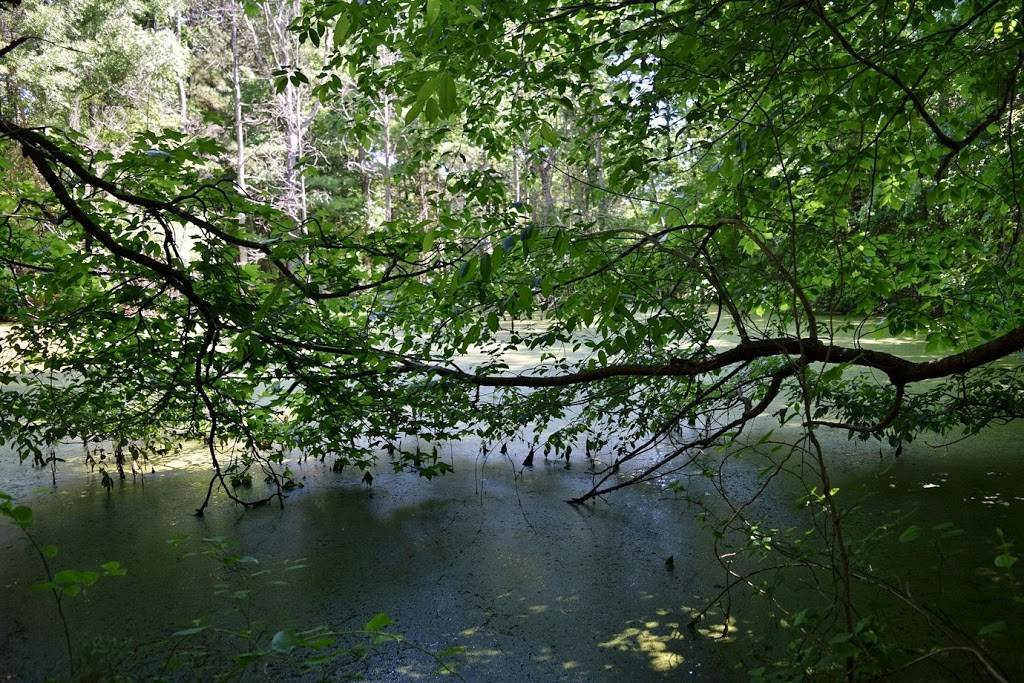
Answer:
(75, 114)
(599, 181)
(517, 186)
(364, 182)
(182, 98)
(291, 145)
(388, 115)
(544, 168)
(423, 179)
(236, 92)
(300, 141)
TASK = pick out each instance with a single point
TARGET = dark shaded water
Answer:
(534, 588)
(531, 587)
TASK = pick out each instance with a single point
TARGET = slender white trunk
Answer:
(388, 151)
(599, 180)
(236, 91)
(292, 151)
(517, 187)
(236, 96)
(182, 99)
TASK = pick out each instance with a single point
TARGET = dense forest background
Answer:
(234, 72)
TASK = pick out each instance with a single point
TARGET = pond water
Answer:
(492, 559)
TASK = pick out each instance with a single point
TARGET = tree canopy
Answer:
(626, 230)
(785, 172)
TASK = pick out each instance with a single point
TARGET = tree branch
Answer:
(900, 371)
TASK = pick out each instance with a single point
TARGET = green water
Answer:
(494, 560)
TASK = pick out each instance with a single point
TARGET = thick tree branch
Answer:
(168, 273)
(14, 44)
(900, 371)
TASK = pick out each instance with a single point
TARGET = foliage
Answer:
(62, 584)
(621, 188)
(230, 642)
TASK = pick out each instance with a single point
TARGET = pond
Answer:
(492, 559)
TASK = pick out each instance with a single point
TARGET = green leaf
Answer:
(415, 110)
(284, 642)
(320, 643)
(547, 285)
(341, 29)
(21, 515)
(548, 133)
(992, 628)
(833, 373)
(561, 243)
(433, 10)
(525, 297)
(113, 568)
(911, 533)
(378, 623)
(446, 94)
(268, 303)
(1005, 561)
(485, 267)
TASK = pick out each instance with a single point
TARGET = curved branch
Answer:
(169, 274)
(887, 419)
(900, 371)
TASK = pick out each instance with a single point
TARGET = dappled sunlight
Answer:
(661, 640)
(419, 340)
(412, 672)
(427, 668)
(658, 641)
(193, 458)
(995, 499)
(546, 654)
(471, 654)
(888, 341)
(714, 626)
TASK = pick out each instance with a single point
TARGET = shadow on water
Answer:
(930, 522)
(531, 587)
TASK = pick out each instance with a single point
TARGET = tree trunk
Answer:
(599, 180)
(182, 99)
(236, 96)
(388, 116)
(517, 186)
(544, 168)
(423, 178)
